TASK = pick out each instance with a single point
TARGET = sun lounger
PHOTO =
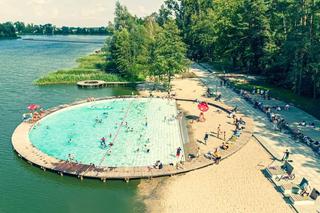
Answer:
(278, 171)
(293, 188)
(297, 199)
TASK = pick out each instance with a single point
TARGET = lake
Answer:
(25, 188)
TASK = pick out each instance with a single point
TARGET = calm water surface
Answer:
(24, 188)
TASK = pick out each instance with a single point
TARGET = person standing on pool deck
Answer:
(178, 152)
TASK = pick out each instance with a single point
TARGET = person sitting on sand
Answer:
(237, 133)
(241, 121)
(231, 114)
(179, 165)
(224, 146)
(217, 156)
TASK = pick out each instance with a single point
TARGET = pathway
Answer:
(305, 162)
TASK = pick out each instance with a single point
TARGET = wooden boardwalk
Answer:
(99, 84)
(25, 149)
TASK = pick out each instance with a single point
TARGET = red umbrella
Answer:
(203, 107)
(33, 107)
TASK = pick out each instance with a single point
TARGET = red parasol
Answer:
(33, 107)
(203, 107)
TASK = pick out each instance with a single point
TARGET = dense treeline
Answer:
(11, 30)
(276, 38)
(141, 48)
(7, 30)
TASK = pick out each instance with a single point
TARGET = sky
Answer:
(83, 13)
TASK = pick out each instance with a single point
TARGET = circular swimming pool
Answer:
(111, 133)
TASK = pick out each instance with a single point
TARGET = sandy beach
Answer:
(235, 185)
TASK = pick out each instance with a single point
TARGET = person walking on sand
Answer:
(224, 135)
(286, 155)
(206, 136)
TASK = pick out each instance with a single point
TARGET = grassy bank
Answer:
(309, 105)
(90, 67)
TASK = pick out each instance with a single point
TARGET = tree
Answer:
(120, 51)
(7, 30)
(20, 27)
(170, 52)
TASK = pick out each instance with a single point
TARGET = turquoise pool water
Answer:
(137, 132)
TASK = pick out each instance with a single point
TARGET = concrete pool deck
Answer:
(26, 150)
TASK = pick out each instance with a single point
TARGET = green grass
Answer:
(89, 68)
(309, 105)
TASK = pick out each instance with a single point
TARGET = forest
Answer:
(7, 30)
(278, 39)
(12, 30)
(142, 48)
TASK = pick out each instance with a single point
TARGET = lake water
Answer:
(25, 188)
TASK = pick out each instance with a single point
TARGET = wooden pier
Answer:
(101, 84)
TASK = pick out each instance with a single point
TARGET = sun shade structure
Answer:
(33, 107)
(203, 107)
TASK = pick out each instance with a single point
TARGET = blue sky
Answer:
(71, 12)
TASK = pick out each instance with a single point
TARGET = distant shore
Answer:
(10, 38)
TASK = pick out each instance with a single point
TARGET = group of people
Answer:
(215, 156)
(264, 93)
(305, 124)
(219, 134)
(279, 122)
(33, 116)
